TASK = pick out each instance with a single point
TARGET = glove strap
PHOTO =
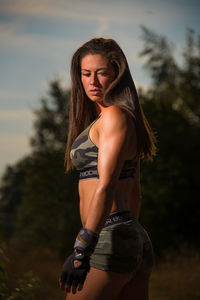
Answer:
(86, 241)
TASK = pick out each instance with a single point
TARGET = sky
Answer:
(39, 37)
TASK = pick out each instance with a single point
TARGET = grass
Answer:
(175, 277)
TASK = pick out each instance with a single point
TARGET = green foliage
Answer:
(174, 84)
(51, 121)
(37, 189)
(11, 191)
(171, 183)
(27, 285)
(158, 52)
(48, 214)
(3, 273)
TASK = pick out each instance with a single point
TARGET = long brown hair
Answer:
(121, 92)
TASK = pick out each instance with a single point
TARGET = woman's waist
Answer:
(117, 217)
(117, 206)
(88, 187)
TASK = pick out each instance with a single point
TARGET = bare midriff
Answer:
(121, 198)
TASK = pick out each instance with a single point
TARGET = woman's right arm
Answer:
(135, 197)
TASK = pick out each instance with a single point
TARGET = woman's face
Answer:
(96, 75)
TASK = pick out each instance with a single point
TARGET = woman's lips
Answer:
(95, 92)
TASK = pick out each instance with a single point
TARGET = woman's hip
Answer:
(124, 246)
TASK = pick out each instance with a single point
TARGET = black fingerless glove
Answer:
(84, 246)
(71, 275)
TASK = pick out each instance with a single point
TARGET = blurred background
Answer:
(39, 209)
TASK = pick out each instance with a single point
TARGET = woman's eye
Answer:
(103, 74)
(86, 74)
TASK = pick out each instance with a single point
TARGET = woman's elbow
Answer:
(106, 188)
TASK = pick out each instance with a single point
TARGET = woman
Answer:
(112, 257)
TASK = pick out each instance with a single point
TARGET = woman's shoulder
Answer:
(116, 119)
(114, 114)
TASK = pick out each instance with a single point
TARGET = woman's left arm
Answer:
(111, 156)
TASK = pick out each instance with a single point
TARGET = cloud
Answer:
(63, 78)
(15, 131)
(13, 147)
(24, 114)
(103, 27)
(35, 44)
(62, 9)
(96, 15)
(14, 143)
(6, 95)
(16, 122)
(122, 11)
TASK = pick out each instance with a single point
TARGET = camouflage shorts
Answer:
(124, 247)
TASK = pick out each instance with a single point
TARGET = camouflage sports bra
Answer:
(84, 156)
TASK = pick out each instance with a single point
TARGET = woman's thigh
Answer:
(101, 285)
(137, 288)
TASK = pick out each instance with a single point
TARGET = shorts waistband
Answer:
(117, 217)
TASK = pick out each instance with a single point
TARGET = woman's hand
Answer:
(74, 272)
(77, 265)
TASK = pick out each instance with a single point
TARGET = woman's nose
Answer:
(93, 79)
